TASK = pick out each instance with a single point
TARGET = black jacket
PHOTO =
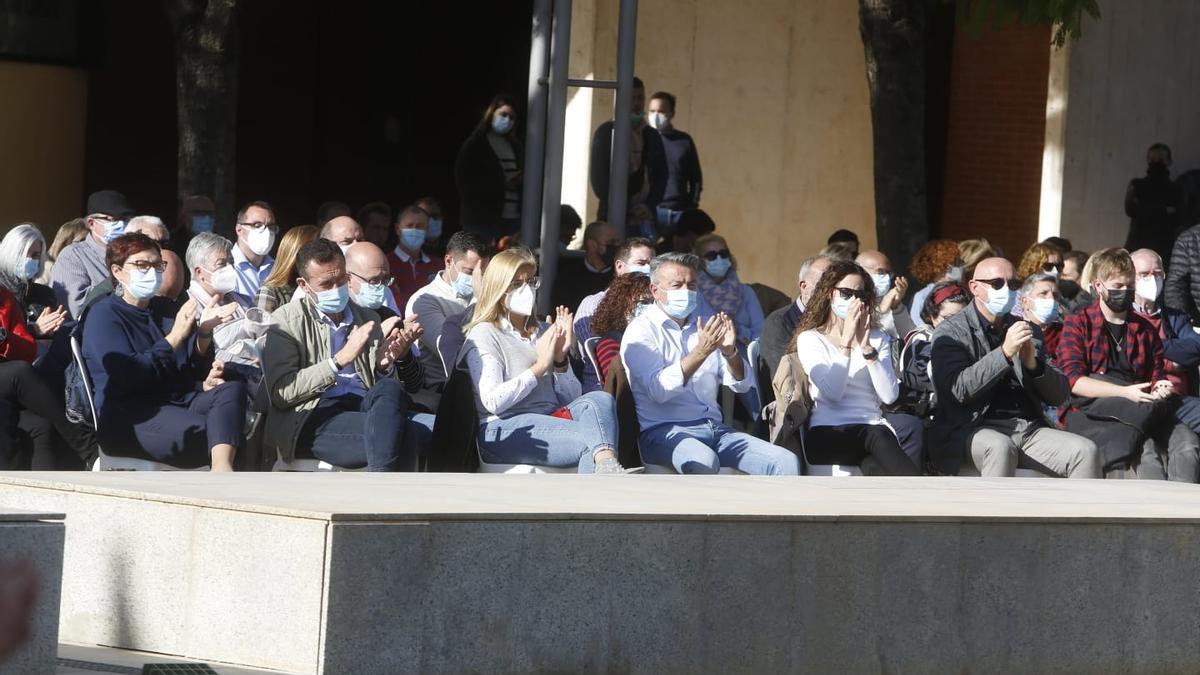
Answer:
(653, 167)
(1156, 207)
(480, 182)
(1183, 278)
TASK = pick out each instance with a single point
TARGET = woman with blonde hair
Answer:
(1040, 259)
(280, 285)
(972, 251)
(527, 398)
(70, 232)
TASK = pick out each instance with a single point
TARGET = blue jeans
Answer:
(667, 219)
(545, 440)
(352, 431)
(704, 446)
(418, 435)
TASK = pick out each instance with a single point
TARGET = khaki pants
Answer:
(999, 446)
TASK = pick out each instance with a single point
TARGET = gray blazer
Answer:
(966, 370)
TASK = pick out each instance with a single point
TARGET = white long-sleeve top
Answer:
(499, 360)
(847, 389)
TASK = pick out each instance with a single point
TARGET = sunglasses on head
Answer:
(848, 293)
(1048, 266)
(999, 283)
(713, 255)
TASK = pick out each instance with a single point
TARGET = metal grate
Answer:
(148, 669)
(98, 667)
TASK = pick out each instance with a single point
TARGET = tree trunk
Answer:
(206, 86)
(893, 36)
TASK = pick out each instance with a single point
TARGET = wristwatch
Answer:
(870, 353)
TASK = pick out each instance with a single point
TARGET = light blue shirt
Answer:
(347, 377)
(249, 277)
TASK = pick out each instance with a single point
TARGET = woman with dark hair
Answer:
(488, 172)
(626, 296)
(849, 366)
(153, 397)
(916, 383)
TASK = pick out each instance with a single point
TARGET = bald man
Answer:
(993, 382)
(370, 278)
(779, 325)
(343, 231)
(890, 290)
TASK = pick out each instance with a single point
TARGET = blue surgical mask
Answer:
(501, 124)
(144, 285)
(840, 306)
(202, 222)
(639, 269)
(680, 304)
(412, 238)
(30, 269)
(954, 273)
(113, 229)
(1000, 302)
(334, 300)
(464, 287)
(370, 296)
(718, 268)
(435, 229)
(1045, 309)
(883, 284)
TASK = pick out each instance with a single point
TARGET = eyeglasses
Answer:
(146, 265)
(999, 283)
(848, 293)
(1048, 266)
(258, 225)
(713, 255)
(533, 282)
(377, 281)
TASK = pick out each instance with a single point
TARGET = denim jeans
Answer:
(545, 440)
(352, 431)
(418, 436)
(667, 218)
(704, 446)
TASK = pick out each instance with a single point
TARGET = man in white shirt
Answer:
(252, 262)
(675, 367)
(451, 293)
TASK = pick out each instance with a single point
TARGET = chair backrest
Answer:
(589, 348)
(77, 355)
(437, 344)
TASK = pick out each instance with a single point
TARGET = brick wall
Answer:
(996, 131)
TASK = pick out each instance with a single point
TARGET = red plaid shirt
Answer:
(1083, 347)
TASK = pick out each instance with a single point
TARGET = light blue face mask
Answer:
(639, 269)
(412, 238)
(1045, 309)
(435, 229)
(113, 229)
(718, 268)
(31, 268)
(883, 284)
(370, 296)
(680, 304)
(501, 124)
(464, 287)
(840, 307)
(144, 285)
(334, 300)
(202, 222)
(1000, 302)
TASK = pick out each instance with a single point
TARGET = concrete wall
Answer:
(42, 129)
(1130, 83)
(775, 94)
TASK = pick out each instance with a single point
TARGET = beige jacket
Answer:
(296, 368)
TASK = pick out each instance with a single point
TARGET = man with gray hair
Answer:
(1039, 305)
(779, 325)
(675, 367)
(210, 259)
(82, 265)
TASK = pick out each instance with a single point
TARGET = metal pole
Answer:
(535, 126)
(556, 126)
(618, 168)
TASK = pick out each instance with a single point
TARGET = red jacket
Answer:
(1083, 347)
(16, 342)
(409, 277)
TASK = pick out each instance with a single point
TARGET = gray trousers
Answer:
(1175, 457)
(999, 446)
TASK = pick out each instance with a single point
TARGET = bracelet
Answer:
(562, 364)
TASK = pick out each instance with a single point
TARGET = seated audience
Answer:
(280, 285)
(437, 223)
(1040, 259)
(633, 255)
(845, 237)
(1039, 306)
(70, 232)
(584, 276)
(993, 380)
(936, 262)
(840, 250)
(1114, 359)
(451, 293)
(724, 292)
(343, 231)
(330, 370)
(627, 297)
(370, 279)
(972, 251)
(894, 318)
(528, 401)
(1068, 280)
(780, 325)
(21, 260)
(850, 374)
(675, 364)
(327, 211)
(411, 266)
(917, 396)
(376, 221)
(256, 231)
(197, 213)
(82, 265)
(1063, 245)
(173, 277)
(158, 393)
(210, 259)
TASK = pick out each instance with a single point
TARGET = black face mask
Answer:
(1118, 301)
(609, 255)
(1157, 170)
(1068, 289)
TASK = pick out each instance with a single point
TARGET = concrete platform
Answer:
(362, 573)
(37, 536)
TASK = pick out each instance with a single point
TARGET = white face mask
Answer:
(658, 120)
(261, 240)
(521, 301)
(1148, 288)
(223, 280)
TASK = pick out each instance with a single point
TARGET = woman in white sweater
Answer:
(527, 398)
(850, 371)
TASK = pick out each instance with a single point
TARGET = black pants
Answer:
(852, 443)
(32, 413)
